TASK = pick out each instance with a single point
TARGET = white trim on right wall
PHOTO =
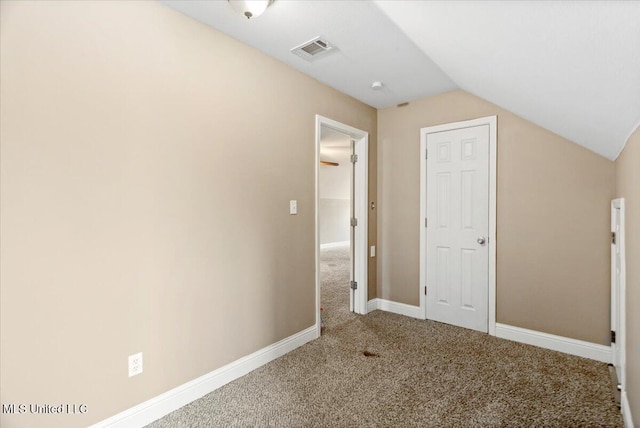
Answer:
(618, 290)
(567, 345)
(618, 305)
(626, 410)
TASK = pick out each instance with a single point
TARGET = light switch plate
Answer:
(293, 207)
(373, 251)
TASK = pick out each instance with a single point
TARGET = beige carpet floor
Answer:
(417, 374)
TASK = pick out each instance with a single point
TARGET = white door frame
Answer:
(361, 178)
(618, 311)
(491, 121)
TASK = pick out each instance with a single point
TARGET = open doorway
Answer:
(334, 216)
(341, 223)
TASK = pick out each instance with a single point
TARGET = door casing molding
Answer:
(618, 311)
(361, 211)
(492, 122)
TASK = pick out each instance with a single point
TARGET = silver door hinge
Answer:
(425, 290)
(425, 222)
(354, 222)
(354, 158)
(613, 238)
(354, 285)
(613, 337)
(426, 154)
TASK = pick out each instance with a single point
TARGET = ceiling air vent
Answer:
(312, 49)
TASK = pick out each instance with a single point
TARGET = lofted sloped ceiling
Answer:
(368, 46)
(570, 67)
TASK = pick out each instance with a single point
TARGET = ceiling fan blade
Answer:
(329, 163)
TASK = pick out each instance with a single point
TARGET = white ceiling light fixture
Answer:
(250, 8)
(376, 86)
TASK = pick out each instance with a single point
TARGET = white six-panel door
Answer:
(457, 227)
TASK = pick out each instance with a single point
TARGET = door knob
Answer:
(481, 240)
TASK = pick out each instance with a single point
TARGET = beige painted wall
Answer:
(335, 196)
(147, 162)
(628, 187)
(553, 218)
(334, 220)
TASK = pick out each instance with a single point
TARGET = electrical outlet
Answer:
(135, 364)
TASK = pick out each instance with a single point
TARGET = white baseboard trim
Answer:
(626, 410)
(157, 407)
(395, 307)
(579, 348)
(334, 245)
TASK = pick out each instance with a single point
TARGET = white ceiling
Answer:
(570, 67)
(369, 47)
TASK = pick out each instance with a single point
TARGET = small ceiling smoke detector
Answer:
(312, 49)
(376, 86)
